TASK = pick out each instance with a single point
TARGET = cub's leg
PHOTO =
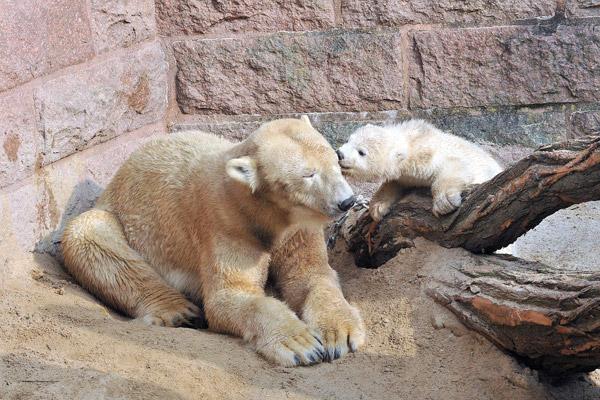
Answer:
(446, 190)
(389, 193)
(235, 303)
(98, 256)
(311, 288)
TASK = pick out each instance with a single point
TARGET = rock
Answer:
(512, 65)
(290, 73)
(437, 321)
(192, 16)
(583, 8)
(121, 23)
(366, 14)
(39, 37)
(18, 137)
(101, 102)
(504, 126)
(586, 122)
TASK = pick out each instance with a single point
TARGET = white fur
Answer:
(415, 153)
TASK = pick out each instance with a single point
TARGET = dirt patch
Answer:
(58, 342)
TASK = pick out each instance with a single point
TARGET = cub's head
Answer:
(370, 154)
(290, 164)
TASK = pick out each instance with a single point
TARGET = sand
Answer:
(58, 342)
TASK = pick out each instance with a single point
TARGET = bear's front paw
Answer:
(341, 328)
(379, 209)
(291, 345)
(175, 312)
(446, 202)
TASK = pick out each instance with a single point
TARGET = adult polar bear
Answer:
(195, 214)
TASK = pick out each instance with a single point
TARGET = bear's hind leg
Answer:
(98, 256)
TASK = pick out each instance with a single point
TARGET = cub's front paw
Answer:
(446, 202)
(341, 328)
(379, 209)
(291, 345)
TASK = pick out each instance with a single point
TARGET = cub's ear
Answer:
(243, 170)
(305, 119)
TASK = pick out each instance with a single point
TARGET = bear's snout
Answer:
(347, 204)
(339, 154)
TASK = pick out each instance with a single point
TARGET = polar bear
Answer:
(415, 153)
(194, 219)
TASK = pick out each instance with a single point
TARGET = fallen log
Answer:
(548, 317)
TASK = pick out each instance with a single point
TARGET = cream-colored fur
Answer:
(415, 153)
(194, 219)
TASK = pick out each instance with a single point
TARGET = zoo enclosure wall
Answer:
(83, 83)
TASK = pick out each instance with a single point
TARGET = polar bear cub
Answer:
(415, 153)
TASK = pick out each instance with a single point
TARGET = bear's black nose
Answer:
(347, 204)
(340, 154)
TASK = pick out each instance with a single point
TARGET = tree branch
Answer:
(492, 215)
(550, 319)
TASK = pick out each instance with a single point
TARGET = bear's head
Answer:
(371, 153)
(290, 165)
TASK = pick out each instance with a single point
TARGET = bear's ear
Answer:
(243, 170)
(305, 119)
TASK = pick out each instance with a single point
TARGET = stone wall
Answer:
(82, 84)
(85, 82)
(504, 72)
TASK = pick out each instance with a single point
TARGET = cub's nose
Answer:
(347, 204)
(339, 154)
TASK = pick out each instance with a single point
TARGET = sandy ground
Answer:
(58, 342)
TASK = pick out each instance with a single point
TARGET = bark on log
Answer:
(492, 215)
(548, 317)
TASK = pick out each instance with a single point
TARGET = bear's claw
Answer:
(445, 203)
(181, 313)
(302, 347)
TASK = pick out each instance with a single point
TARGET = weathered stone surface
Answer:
(121, 23)
(529, 127)
(232, 130)
(507, 126)
(75, 185)
(101, 162)
(583, 8)
(513, 65)
(38, 37)
(507, 154)
(95, 105)
(503, 127)
(18, 137)
(198, 16)
(364, 14)
(290, 73)
(586, 122)
(34, 213)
